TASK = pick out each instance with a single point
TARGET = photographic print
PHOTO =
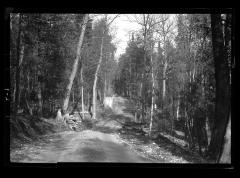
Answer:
(120, 88)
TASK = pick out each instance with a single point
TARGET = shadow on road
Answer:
(97, 150)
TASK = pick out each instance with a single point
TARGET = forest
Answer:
(175, 71)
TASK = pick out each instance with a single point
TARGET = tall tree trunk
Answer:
(207, 123)
(96, 79)
(89, 101)
(142, 99)
(99, 95)
(38, 73)
(94, 102)
(194, 67)
(226, 154)
(17, 71)
(153, 95)
(30, 109)
(190, 139)
(20, 71)
(14, 90)
(222, 74)
(73, 97)
(208, 130)
(130, 78)
(105, 86)
(82, 91)
(164, 82)
(75, 65)
(173, 116)
(144, 69)
(178, 106)
(39, 96)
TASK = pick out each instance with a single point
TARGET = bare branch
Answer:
(113, 19)
(168, 27)
(158, 22)
(138, 21)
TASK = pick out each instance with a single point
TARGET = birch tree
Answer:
(81, 73)
(20, 50)
(147, 22)
(153, 92)
(94, 98)
(75, 65)
(165, 32)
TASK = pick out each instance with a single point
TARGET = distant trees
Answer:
(180, 72)
(128, 79)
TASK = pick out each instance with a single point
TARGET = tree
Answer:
(104, 31)
(222, 76)
(153, 92)
(195, 73)
(165, 30)
(128, 78)
(148, 23)
(75, 65)
(226, 153)
(18, 64)
(82, 90)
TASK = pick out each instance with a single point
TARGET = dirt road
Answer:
(85, 146)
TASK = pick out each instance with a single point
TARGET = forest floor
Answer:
(101, 140)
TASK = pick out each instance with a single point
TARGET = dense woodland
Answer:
(176, 69)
